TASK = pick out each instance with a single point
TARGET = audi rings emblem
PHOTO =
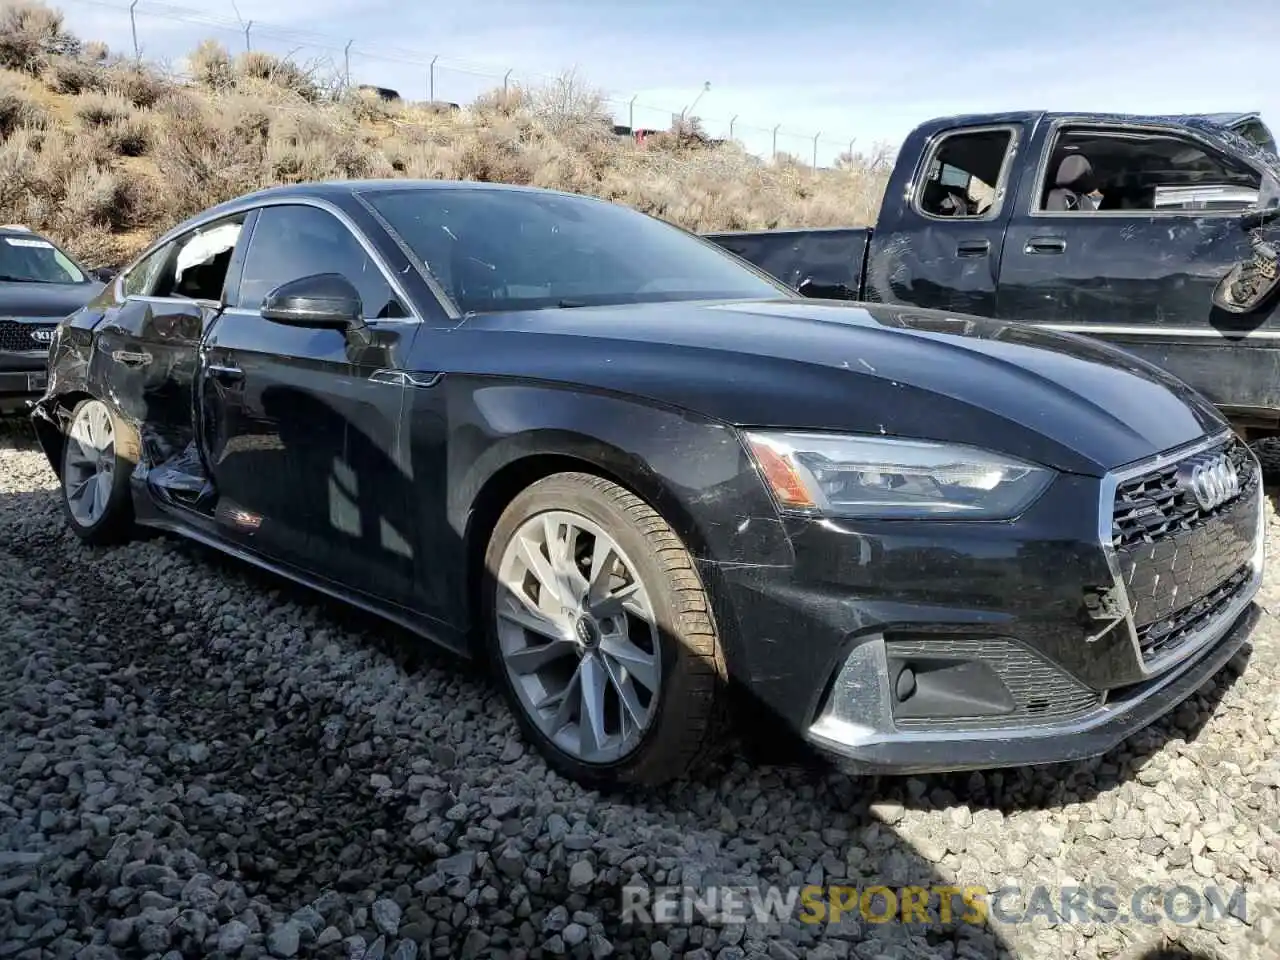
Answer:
(1211, 479)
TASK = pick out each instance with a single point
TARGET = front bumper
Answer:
(1022, 642)
(23, 378)
(872, 746)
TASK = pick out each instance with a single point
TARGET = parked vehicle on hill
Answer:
(1155, 234)
(40, 283)
(645, 481)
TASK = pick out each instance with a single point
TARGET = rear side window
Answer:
(964, 176)
(1093, 169)
(293, 241)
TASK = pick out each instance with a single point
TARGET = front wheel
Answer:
(96, 463)
(601, 633)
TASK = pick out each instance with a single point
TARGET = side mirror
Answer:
(105, 274)
(825, 290)
(326, 301)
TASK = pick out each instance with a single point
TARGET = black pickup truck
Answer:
(1155, 233)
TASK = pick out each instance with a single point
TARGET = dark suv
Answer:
(40, 283)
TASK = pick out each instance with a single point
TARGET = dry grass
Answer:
(103, 153)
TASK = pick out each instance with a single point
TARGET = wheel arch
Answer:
(50, 420)
(506, 482)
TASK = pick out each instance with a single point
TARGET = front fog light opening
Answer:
(947, 688)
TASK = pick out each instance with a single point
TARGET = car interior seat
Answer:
(1074, 179)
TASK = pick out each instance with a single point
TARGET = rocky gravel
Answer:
(200, 760)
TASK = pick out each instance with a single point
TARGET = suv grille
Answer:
(1182, 564)
(16, 337)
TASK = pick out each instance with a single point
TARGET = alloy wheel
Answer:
(90, 464)
(578, 636)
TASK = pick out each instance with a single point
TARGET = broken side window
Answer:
(965, 172)
(1116, 169)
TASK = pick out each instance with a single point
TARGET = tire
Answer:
(683, 717)
(93, 429)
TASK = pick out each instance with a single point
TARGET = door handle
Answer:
(973, 248)
(223, 372)
(1045, 245)
(131, 358)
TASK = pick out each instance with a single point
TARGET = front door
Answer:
(301, 426)
(148, 346)
(1140, 269)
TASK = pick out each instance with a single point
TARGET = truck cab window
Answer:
(1094, 169)
(963, 173)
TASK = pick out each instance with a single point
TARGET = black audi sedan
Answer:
(646, 482)
(40, 284)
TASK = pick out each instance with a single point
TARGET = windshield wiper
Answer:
(571, 303)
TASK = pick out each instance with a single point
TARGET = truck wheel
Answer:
(95, 475)
(601, 633)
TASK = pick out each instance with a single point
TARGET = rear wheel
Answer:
(601, 633)
(96, 464)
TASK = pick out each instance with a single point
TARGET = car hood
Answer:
(1066, 401)
(55, 300)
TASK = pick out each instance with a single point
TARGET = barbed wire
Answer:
(437, 67)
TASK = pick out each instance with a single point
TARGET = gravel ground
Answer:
(197, 759)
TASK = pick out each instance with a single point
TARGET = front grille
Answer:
(1042, 692)
(16, 337)
(1151, 506)
(1179, 563)
(1170, 633)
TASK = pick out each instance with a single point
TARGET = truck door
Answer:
(938, 242)
(1132, 249)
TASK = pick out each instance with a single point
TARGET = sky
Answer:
(847, 72)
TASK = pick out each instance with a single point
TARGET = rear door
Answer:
(147, 348)
(1141, 269)
(939, 244)
(301, 426)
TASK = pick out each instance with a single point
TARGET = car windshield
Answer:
(496, 250)
(35, 260)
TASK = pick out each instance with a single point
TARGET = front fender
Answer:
(691, 469)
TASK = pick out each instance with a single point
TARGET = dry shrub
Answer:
(64, 183)
(129, 136)
(102, 109)
(568, 104)
(18, 108)
(71, 75)
(210, 65)
(31, 34)
(285, 74)
(137, 84)
(499, 102)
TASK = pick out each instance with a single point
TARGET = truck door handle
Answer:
(973, 248)
(224, 372)
(1046, 245)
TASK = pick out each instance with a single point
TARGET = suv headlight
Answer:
(843, 475)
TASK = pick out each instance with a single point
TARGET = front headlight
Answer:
(841, 475)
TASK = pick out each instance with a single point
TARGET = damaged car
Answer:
(653, 487)
(1157, 234)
